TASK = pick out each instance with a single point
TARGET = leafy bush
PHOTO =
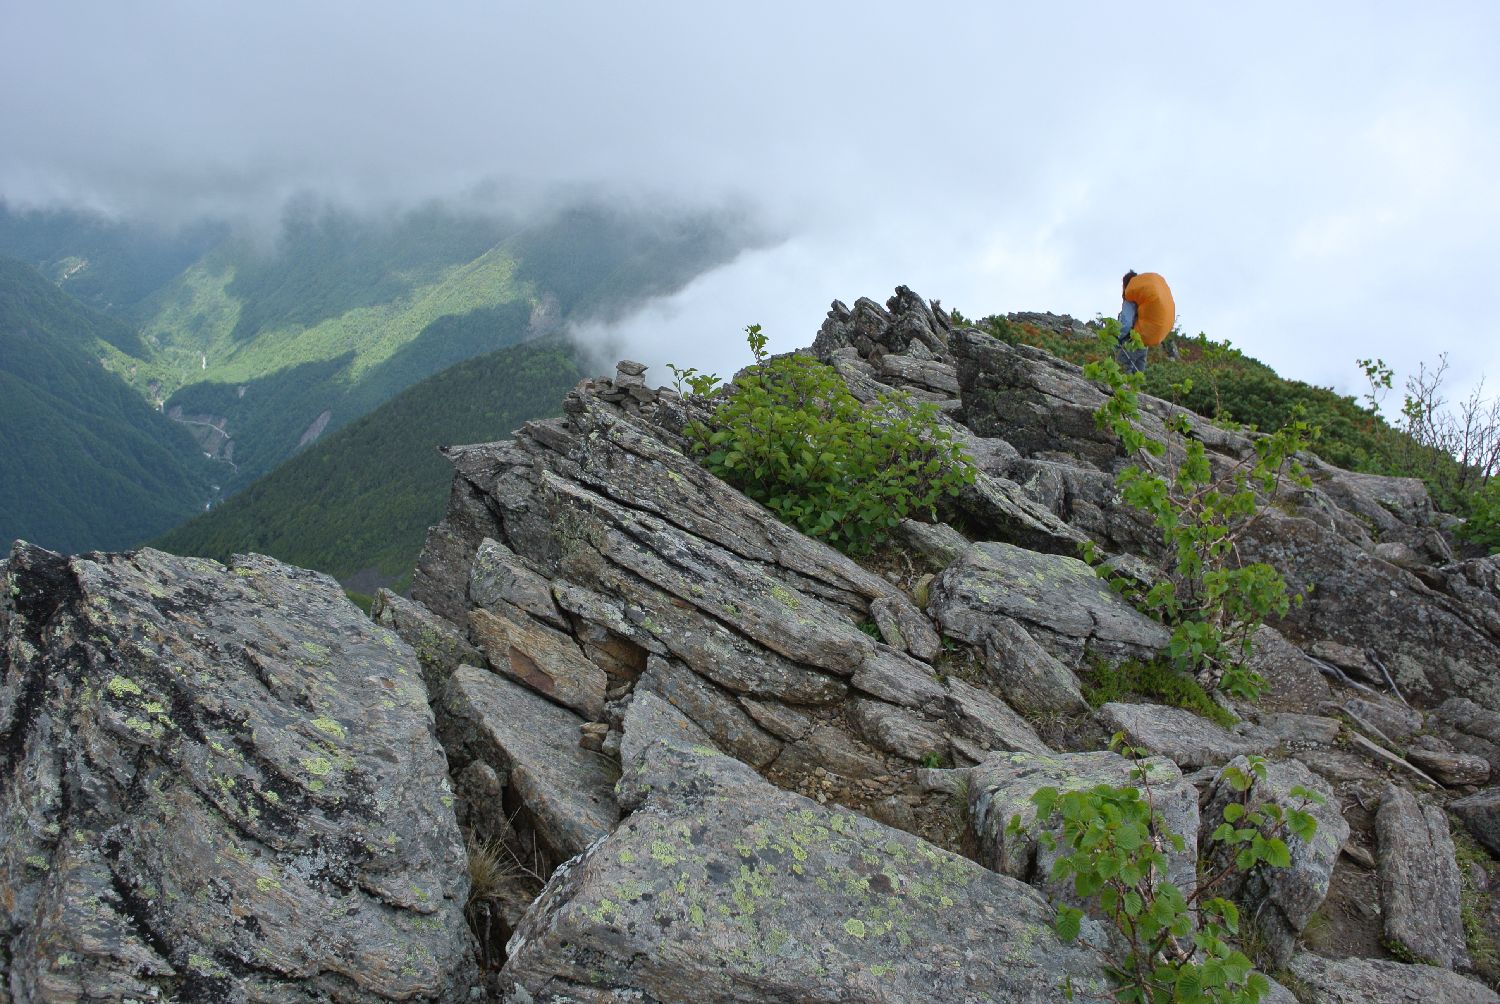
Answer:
(1483, 526)
(1114, 847)
(789, 434)
(1209, 597)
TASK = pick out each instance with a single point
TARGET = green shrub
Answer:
(1483, 525)
(789, 434)
(1114, 847)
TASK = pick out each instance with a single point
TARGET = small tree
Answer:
(1211, 599)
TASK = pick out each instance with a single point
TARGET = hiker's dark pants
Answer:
(1130, 360)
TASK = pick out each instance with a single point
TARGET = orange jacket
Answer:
(1155, 313)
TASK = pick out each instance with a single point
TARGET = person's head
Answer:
(1126, 281)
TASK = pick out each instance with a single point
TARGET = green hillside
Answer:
(344, 312)
(358, 503)
(85, 463)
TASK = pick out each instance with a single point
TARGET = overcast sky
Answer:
(1317, 181)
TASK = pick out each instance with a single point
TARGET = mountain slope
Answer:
(84, 462)
(358, 504)
(279, 347)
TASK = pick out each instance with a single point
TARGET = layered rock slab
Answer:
(220, 783)
(565, 792)
(722, 888)
(1419, 882)
(1378, 981)
(1060, 602)
(1181, 736)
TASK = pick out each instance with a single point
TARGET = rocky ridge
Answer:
(727, 763)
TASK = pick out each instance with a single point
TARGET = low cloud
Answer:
(1314, 182)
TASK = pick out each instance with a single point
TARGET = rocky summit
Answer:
(692, 755)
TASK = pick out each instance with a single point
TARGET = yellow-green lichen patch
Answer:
(317, 766)
(781, 594)
(143, 728)
(663, 853)
(854, 927)
(329, 727)
(121, 686)
(205, 966)
(38, 862)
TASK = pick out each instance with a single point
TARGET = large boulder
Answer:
(1177, 734)
(1000, 789)
(1480, 813)
(719, 888)
(219, 783)
(1059, 600)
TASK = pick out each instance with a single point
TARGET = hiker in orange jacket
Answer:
(1148, 311)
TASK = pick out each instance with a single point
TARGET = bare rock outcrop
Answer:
(220, 783)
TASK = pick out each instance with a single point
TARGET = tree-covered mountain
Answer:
(259, 345)
(358, 503)
(109, 264)
(85, 462)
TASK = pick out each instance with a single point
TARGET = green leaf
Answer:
(1068, 924)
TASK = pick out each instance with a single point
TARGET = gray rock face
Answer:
(1471, 728)
(219, 784)
(1282, 900)
(1028, 675)
(665, 579)
(1480, 813)
(1377, 981)
(1061, 603)
(1293, 682)
(1002, 785)
(722, 888)
(1419, 883)
(1180, 736)
(1435, 644)
(1454, 770)
(1030, 398)
(545, 659)
(566, 793)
